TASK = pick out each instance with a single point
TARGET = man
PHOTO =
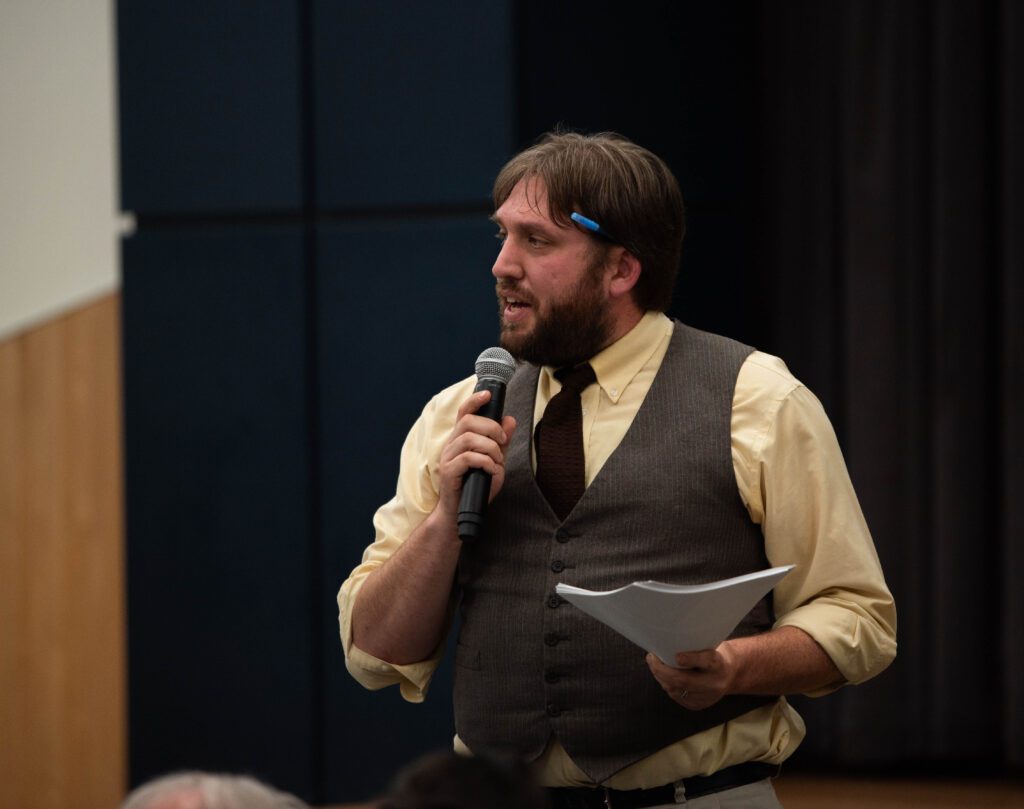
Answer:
(701, 459)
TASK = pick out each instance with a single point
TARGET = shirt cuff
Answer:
(371, 672)
(412, 679)
(861, 645)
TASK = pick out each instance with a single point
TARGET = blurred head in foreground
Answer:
(200, 790)
(450, 781)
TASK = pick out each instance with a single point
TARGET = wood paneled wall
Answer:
(62, 603)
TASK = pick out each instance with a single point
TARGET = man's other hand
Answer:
(785, 660)
(703, 679)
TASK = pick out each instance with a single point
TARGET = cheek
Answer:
(557, 281)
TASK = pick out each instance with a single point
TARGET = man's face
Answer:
(552, 299)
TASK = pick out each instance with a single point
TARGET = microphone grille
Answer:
(495, 363)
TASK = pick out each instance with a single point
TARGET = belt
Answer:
(693, 787)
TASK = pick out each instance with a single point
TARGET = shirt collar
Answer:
(616, 365)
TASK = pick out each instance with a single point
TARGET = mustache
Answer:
(510, 290)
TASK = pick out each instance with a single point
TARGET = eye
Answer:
(501, 235)
(535, 241)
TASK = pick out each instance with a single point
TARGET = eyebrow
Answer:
(542, 225)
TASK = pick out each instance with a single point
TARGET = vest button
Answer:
(554, 601)
(551, 676)
(562, 535)
(554, 710)
(551, 638)
(558, 566)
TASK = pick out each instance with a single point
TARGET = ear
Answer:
(624, 272)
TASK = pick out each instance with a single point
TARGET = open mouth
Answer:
(513, 306)
(514, 310)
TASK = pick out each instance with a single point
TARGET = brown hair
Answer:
(623, 187)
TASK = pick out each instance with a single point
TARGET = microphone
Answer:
(494, 368)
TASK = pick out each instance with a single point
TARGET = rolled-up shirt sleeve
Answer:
(795, 483)
(416, 495)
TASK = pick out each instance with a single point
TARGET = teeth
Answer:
(513, 300)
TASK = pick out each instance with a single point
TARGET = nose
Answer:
(507, 264)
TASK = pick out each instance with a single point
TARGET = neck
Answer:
(623, 322)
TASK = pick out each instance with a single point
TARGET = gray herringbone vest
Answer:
(666, 507)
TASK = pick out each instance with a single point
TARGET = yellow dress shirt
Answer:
(793, 481)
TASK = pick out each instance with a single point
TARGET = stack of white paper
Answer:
(670, 618)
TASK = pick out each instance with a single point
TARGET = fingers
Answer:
(473, 404)
(468, 421)
(677, 684)
(473, 451)
(476, 442)
(706, 659)
(695, 688)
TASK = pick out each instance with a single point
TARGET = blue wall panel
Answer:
(220, 645)
(414, 101)
(405, 307)
(210, 105)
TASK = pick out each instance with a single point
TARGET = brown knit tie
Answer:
(561, 472)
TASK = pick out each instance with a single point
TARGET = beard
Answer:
(571, 331)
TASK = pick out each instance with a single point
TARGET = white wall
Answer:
(58, 145)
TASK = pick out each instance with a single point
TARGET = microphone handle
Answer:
(476, 483)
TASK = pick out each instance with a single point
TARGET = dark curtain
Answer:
(890, 227)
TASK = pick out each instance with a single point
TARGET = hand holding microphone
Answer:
(494, 369)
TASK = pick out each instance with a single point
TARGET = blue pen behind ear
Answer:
(589, 224)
